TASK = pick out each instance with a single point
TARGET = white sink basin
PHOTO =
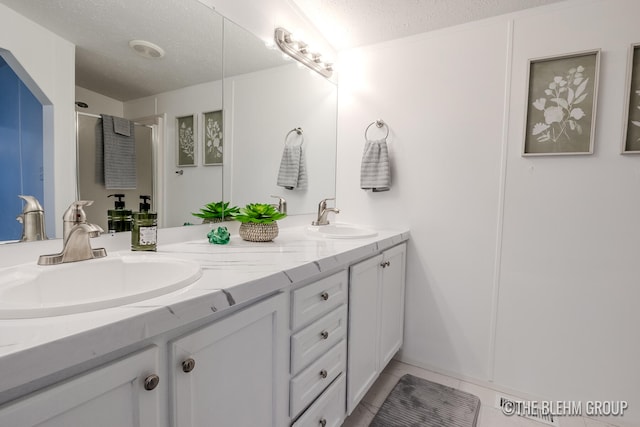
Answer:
(341, 231)
(29, 291)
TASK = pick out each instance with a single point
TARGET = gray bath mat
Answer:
(417, 402)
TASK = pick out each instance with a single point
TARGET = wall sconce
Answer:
(298, 50)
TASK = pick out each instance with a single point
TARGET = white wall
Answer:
(50, 62)
(262, 108)
(521, 271)
(198, 185)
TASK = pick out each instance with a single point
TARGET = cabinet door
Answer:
(239, 371)
(363, 343)
(113, 395)
(392, 303)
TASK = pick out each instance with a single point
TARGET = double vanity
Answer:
(290, 332)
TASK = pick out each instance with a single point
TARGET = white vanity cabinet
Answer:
(319, 352)
(233, 372)
(376, 319)
(122, 393)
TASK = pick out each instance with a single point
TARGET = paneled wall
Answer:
(522, 272)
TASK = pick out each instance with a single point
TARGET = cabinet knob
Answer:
(188, 365)
(323, 374)
(323, 422)
(385, 264)
(324, 296)
(151, 382)
(324, 335)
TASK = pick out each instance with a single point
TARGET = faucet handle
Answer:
(75, 212)
(31, 204)
(323, 202)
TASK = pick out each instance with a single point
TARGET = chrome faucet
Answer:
(32, 220)
(323, 211)
(75, 237)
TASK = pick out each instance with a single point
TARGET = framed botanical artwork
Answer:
(212, 140)
(561, 104)
(186, 140)
(631, 134)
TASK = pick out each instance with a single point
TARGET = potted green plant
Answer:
(258, 222)
(216, 212)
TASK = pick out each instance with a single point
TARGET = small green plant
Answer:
(258, 213)
(216, 210)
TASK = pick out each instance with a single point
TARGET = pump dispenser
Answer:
(144, 232)
(119, 218)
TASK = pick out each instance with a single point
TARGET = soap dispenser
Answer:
(144, 232)
(119, 218)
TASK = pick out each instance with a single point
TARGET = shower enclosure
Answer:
(90, 186)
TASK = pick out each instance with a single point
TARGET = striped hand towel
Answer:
(375, 173)
(119, 153)
(293, 173)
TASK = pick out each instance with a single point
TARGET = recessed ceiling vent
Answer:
(146, 49)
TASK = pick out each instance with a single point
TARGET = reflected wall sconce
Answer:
(299, 51)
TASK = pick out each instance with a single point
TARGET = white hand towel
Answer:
(375, 173)
(293, 173)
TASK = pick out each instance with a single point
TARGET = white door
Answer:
(364, 308)
(234, 372)
(392, 303)
(113, 395)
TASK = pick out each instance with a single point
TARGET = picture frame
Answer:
(212, 138)
(186, 149)
(562, 94)
(631, 124)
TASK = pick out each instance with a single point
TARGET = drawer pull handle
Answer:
(188, 365)
(324, 335)
(151, 382)
(323, 422)
(324, 296)
(323, 374)
(385, 264)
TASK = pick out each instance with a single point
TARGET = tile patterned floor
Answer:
(489, 416)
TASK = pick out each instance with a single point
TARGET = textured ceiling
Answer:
(192, 35)
(351, 23)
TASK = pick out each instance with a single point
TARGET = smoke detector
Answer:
(146, 49)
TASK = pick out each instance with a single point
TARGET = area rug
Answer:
(417, 402)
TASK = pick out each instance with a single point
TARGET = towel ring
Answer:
(379, 124)
(297, 130)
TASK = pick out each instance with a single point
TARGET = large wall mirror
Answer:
(235, 100)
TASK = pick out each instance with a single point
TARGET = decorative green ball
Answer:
(219, 236)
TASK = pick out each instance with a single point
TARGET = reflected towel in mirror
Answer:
(117, 167)
(293, 173)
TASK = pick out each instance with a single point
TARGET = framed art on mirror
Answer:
(212, 138)
(561, 104)
(186, 140)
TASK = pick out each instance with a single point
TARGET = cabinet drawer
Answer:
(329, 409)
(307, 385)
(317, 338)
(316, 299)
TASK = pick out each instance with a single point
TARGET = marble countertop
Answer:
(233, 274)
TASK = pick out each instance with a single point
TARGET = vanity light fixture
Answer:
(299, 51)
(146, 49)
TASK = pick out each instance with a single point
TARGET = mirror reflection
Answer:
(249, 106)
